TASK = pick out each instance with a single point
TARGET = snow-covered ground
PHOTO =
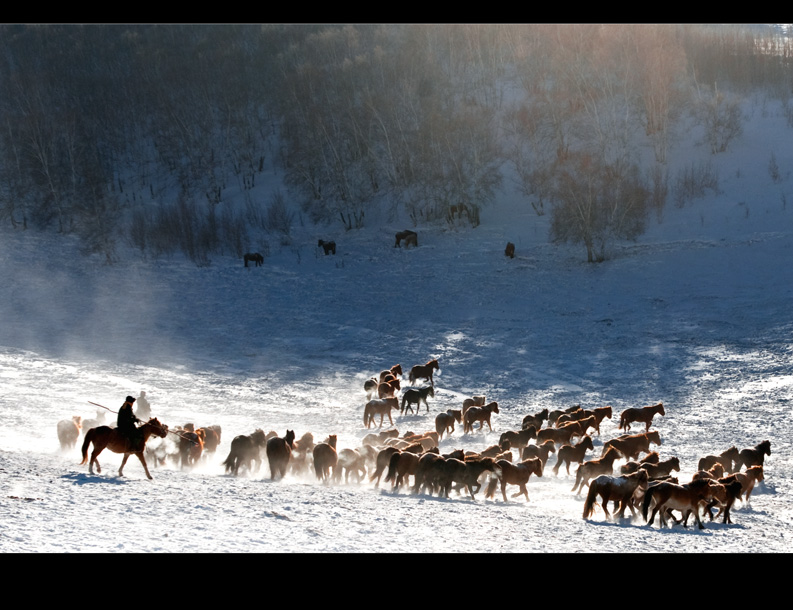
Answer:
(697, 315)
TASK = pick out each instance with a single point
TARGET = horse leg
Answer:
(142, 461)
(93, 461)
(124, 461)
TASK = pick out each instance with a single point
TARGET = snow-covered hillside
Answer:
(696, 314)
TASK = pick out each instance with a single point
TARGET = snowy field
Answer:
(697, 315)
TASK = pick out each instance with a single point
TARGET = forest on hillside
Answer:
(159, 134)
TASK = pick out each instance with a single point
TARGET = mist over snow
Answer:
(695, 314)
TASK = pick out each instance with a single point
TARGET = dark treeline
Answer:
(140, 133)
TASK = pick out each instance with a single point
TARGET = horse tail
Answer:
(230, 461)
(491, 487)
(404, 400)
(412, 377)
(648, 498)
(89, 437)
(590, 501)
(392, 467)
(365, 414)
(622, 422)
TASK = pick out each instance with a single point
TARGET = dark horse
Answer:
(328, 246)
(279, 452)
(245, 449)
(416, 397)
(409, 237)
(254, 257)
(110, 438)
(510, 250)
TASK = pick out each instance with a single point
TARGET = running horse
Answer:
(424, 371)
(106, 437)
(643, 414)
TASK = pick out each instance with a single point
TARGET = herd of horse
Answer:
(644, 486)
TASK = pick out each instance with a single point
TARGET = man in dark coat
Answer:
(144, 408)
(126, 424)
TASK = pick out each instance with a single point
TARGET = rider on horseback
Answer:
(126, 425)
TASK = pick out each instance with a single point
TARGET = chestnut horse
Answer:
(514, 474)
(110, 438)
(593, 468)
(662, 469)
(424, 371)
(642, 414)
(619, 490)
(632, 445)
(479, 414)
(279, 452)
(395, 371)
(573, 453)
(669, 496)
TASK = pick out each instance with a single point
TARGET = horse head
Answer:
(290, 438)
(159, 429)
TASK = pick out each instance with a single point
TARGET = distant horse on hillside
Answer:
(510, 250)
(424, 371)
(254, 257)
(328, 246)
(409, 237)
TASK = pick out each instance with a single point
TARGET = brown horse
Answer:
(381, 407)
(662, 469)
(211, 438)
(593, 468)
(535, 420)
(754, 456)
(381, 463)
(725, 458)
(430, 468)
(110, 438)
(641, 414)
(444, 422)
(474, 401)
(424, 371)
(387, 389)
(748, 479)
(191, 446)
(401, 465)
(69, 431)
(395, 371)
(325, 458)
(539, 451)
(514, 474)
(632, 445)
(510, 250)
(245, 450)
(723, 493)
(619, 490)
(572, 453)
(669, 496)
(279, 452)
(518, 439)
(479, 414)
